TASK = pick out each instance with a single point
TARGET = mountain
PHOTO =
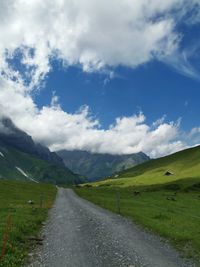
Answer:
(95, 166)
(181, 167)
(12, 136)
(22, 159)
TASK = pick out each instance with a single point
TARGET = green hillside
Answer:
(166, 205)
(13, 160)
(184, 165)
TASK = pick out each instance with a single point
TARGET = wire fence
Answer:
(119, 206)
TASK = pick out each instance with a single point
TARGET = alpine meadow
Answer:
(99, 133)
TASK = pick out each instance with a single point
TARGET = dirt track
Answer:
(80, 234)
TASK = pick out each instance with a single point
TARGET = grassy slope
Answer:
(168, 205)
(184, 165)
(38, 169)
(178, 221)
(26, 219)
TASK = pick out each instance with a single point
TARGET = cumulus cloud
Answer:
(92, 34)
(193, 135)
(97, 36)
(58, 129)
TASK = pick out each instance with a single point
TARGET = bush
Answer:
(87, 185)
(194, 187)
(173, 187)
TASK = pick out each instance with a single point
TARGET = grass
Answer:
(174, 215)
(40, 170)
(184, 165)
(26, 219)
(168, 205)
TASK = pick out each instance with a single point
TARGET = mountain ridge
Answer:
(96, 165)
(178, 167)
(22, 159)
(15, 137)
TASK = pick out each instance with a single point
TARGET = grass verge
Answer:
(20, 220)
(174, 215)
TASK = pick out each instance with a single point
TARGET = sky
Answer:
(114, 76)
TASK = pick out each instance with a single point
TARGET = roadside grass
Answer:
(26, 220)
(169, 205)
(172, 210)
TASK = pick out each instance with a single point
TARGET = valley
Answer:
(161, 196)
(99, 133)
(96, 166)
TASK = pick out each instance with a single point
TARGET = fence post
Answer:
(41, 200)
(5, 236)
(118, 202)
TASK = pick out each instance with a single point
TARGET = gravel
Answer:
(81, 234)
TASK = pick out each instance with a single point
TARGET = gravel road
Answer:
(80, 234)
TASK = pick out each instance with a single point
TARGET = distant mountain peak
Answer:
(6, 125)
(99, 165)
(21, 158)
(12, 136)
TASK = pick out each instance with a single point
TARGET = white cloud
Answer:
(97, 35)
(94, 34)
(194, 136)
(58, 129)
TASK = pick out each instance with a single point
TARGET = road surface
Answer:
(81, 234)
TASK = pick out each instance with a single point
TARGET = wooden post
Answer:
(41, 200)
(118, 202)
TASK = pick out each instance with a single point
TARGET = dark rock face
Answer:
(10, 135)
(22, 159)
(95, 166)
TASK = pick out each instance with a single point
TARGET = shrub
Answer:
(173, 187)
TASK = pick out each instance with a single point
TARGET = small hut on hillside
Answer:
(168, 173)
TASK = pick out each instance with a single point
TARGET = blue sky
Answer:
(113, 77)
(155, 89)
